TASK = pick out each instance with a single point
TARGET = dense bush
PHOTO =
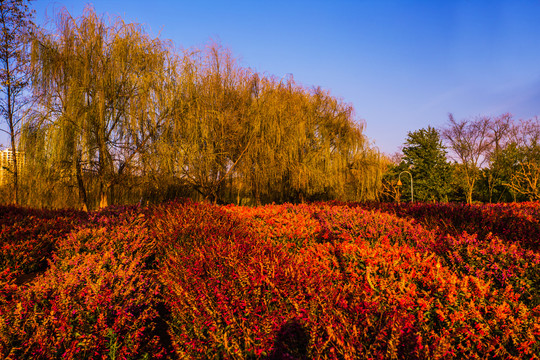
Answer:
(325, 280)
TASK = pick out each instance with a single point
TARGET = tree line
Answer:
(99, 112)
(106, 114)
(484, 159)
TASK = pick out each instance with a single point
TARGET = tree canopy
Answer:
(122, 117)
(119, 116)
(425, 157)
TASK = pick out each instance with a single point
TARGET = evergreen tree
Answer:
(425, 157)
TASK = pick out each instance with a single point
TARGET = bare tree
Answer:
(500, 129)
(15, 23)
(525, 151)
(470, 142)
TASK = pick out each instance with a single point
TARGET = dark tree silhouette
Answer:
(15, 24)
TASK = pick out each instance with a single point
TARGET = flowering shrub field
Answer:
(320, 281)
(512, 222)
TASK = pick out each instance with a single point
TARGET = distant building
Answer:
(6, 164)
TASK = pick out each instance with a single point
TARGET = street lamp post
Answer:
(399, 183)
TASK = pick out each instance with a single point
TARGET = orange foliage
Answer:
(324, 280)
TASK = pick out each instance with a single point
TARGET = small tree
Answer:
(522, 158)
(470, 141)
(390, 190)
(425, 155)
(15, 22)
(493, 177)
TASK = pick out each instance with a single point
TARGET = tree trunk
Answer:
(103, 196)
(238, 195)
(15, 171)
(491, 187)
(257, 194)
(469, 193)
(83, 200)
(12, 138)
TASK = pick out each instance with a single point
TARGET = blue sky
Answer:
(403, 65)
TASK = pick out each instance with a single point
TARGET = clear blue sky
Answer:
(403, 65)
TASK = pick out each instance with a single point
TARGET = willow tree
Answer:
(269, 165)
(261, 171)
(210, 132)
(100, 87)
(307, 152)
(304, 142)
(117, 104)
(365, 171)
(325, 145)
